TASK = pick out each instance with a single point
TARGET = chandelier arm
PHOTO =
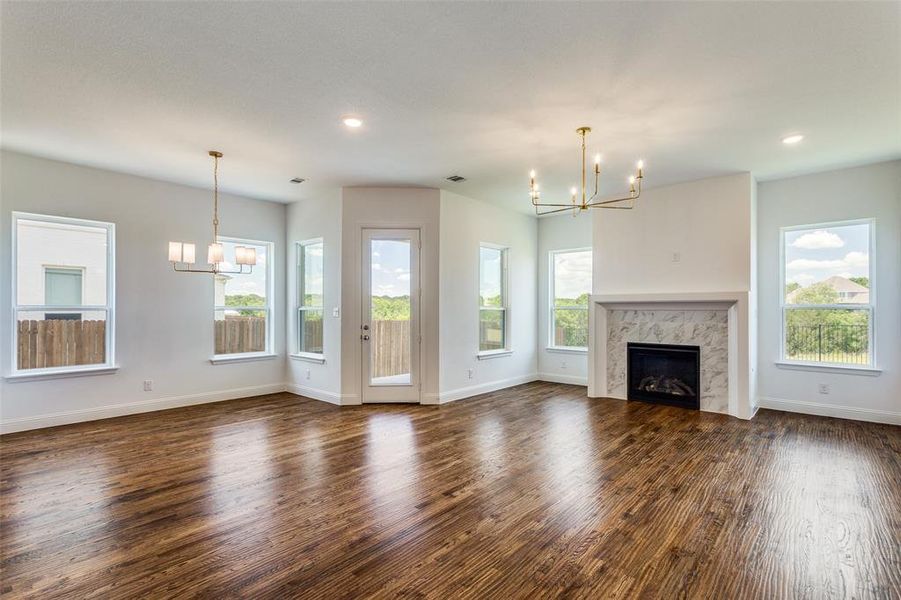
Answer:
(536, 205)
(615, 200)
(213, 271)
(550, 212)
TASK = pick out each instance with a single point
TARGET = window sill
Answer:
(309, 357)
(40, 374)
(239, 358)
(493, 354)
(827, 368)
(567, 350)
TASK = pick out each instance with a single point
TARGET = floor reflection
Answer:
(392, 461)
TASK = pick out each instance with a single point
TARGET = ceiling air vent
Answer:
(456, 178)
(298, 180)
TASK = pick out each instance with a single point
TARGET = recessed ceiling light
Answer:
(352, 121)
(298, 180)
(792, 139)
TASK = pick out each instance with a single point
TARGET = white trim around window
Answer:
(870, 308)
(301, 307)
(268, 308)
(108, 309)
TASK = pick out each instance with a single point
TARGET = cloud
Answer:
(404, 277)
(851, 260)
(817, 240)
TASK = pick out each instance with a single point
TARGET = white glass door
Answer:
(389, 331)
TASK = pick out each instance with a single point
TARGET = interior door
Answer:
(389, 330)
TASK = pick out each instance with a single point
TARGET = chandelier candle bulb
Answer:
(188, 253)
(174, 251)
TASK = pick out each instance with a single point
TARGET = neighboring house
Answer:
(848, 291)
(219, 293)
(60, 265)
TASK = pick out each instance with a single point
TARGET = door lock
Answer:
(365, 327)
(364, 337)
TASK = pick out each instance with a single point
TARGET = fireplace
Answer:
(664, 374)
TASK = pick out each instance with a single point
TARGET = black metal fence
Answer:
(828, 343)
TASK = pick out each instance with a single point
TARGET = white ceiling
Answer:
(485, 90)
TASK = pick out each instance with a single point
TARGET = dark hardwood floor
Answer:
(534, 491)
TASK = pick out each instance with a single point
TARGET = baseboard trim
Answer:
(559, 378)
(484, 388)
(830, 410)
(134, 408)
(314, 393)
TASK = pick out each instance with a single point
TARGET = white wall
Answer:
(164, 324)
(465, 223)
(707, 223)
(863, 192)
(405, 208)
(561, 232)
(310, 219)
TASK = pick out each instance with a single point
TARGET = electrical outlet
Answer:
(563, 364)
(824, 388)
(677, 256)
(469, 373)
(308, 373)
(336, 312)
(148, 385)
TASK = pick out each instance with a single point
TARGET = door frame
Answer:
(404, 393)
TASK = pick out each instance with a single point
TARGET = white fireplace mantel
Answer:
(741, 359)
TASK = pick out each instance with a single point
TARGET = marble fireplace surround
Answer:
(606, 312)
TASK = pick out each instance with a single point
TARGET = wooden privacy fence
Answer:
(390, 348)
(60, 343)
(236, 334)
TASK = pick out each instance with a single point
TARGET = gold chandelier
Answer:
(183, 253)
(588, 201)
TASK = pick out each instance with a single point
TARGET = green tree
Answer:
(864, 281)
(814, 332)
(792, 286)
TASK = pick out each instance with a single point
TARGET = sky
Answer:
(489, 272)
(572, 274)
(312, 269)
(390, 268)
(815, 254)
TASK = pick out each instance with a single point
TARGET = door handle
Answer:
(365, 327)
(364, 337)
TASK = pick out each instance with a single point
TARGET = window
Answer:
(309, 297)
(493, 319)
(570, 279)
(827, 293)
(243, 302)
(63, 288)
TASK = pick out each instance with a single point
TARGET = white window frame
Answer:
(505, 301)
(269, 307)
(109, 308)
(552, 282)
(299, 293)
(870, 308)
